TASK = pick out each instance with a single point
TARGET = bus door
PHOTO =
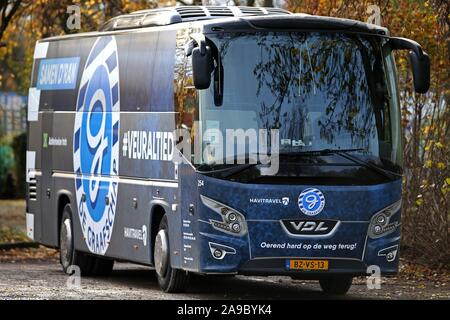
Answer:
(46, 185)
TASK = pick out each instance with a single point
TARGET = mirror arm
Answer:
(201, 41)
(398, 43)
(420, 62)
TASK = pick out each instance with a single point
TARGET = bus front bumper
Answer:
(380, 256)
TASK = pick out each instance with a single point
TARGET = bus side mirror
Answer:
(201, 67)
(420, 62)
(421, 71)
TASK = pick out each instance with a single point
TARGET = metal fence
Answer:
(13, 115)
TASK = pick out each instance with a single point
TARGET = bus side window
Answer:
(186, 98)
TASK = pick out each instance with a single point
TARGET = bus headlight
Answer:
(232, 221)
(219, 251)
(231, 216)
(379, 224)
(390, 253)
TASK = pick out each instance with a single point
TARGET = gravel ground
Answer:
(35, 273)
(43, 279)
(12, 214)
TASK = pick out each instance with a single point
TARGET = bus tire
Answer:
(337, 285)
(169, 279)
(68, 256)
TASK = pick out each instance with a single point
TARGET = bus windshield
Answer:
(322, 91)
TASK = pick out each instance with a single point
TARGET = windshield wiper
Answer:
(369, 164)
(316, 153)
(344, 153)
(229, 168)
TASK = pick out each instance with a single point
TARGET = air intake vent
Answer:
(191, 12)
(220, 12)
(277, 11)
(32, 189)
(251, 11)
(141, 19)
(167, 16)
(129, 22)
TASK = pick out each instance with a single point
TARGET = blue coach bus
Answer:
(220, 140)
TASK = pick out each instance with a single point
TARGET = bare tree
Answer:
(113, 8)
(188, 3)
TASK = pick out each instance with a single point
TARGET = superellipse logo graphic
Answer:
(314, 228)
(311, 201)
(96, 144)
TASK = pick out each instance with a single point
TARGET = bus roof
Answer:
(228, 19)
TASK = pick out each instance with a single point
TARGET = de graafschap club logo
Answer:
(96, 144)
(311, 201)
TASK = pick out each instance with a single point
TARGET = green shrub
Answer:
(6, 166)
(19, 146)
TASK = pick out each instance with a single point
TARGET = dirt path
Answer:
(45, 280)
(35, 274)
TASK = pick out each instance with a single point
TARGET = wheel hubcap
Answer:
(66, 243)
(161, 253)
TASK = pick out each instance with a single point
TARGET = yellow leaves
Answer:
(446, 187)
(419, 200)
(441, 165)
(424, 184)
(444, 190)
(431, 143)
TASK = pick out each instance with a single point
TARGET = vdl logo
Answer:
(96, 144)
(311, 201)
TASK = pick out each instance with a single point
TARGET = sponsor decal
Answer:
(284, 201)
(311, 201)
(57, 142)
(137, 234)
(96, 144)
(148, 145)
(310, 228)
(52, 141)
(45, 140)
(58, 74)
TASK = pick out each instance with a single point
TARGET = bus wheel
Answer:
(338, 285)
(170, 280)
(68, 256)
